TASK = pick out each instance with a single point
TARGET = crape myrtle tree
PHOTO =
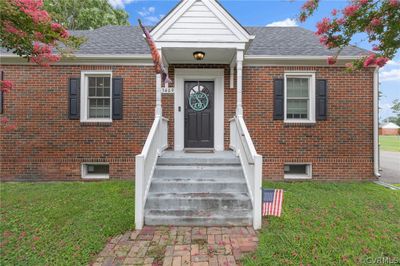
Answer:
(379, 20)
(28, 30)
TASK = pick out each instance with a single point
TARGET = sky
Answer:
(272, 13)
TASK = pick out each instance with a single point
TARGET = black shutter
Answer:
(117, 85)
(279, 99)
(1, 95)
(321, 100)
(74, 98)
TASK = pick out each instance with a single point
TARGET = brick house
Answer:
(389, 129)
(262, 101)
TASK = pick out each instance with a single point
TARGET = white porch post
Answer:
(158, 111)
(239, 70)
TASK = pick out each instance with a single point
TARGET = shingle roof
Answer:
(292, 41)
(271, 41)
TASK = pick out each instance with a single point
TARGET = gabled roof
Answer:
(269, 41)
(390, 126)
(200, 20)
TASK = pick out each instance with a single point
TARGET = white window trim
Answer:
(311, 76)
(300, 176)
(85, 175)
(84, 96)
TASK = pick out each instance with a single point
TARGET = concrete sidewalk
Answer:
(390, 165)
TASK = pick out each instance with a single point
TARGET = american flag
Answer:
(272, 202)
(158, 64)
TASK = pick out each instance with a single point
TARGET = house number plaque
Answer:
(198, 101)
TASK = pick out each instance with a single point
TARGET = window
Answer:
(95, 171)
(297, 171)
(96, 97)
(299, 97)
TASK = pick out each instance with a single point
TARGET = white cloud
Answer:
(393, 63)
(149, 15)
(391, 71)
(289, 22)
(386, 75)
(119, 3)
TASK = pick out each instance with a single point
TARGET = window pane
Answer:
(100, 82)
(107, 82)
(107, 91)
(297, 109)
(296, 169)
(92, 81)
(92, 91)
(297, 87)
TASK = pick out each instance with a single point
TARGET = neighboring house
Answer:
(266, 92)
(389, 129)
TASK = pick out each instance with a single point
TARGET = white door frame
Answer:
(194, 74)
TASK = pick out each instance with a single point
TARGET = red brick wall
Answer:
(389, 131)
(338, 148)
(49, 146)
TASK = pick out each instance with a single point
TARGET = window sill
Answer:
(299, 121)
(103, 123)
(95, 177)
(299, 177)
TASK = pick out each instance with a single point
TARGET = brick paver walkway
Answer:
(174, 246)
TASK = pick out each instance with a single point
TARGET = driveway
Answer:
(390, 165)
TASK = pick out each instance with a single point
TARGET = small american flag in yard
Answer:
(272, 202)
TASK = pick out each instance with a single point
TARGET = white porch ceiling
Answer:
(185, 55)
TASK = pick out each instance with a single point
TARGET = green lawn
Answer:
(322, 223)
(62, 223)
(331, 224)
(389, 143)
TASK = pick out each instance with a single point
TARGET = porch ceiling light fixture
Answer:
(198, 55)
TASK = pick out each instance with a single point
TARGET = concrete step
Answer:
(197, 171)
(198, 161)
(198, 201)
(198, 185)
(198, 218)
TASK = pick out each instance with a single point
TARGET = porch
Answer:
(199, 33)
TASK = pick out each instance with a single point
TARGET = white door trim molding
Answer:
(194, 74)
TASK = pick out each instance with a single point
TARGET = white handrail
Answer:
(242, 144)
(156, 143)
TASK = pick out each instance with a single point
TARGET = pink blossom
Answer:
(394, 3)
(323, 40)
(56, 27)
(341, 21)
(10, 28)
(64, 34)
(363, 2)
(4, 120)
(38, 36)
(310, 4)
(376, 48)
(381, 61)
(323, 26)
(370, 60)
(42, 54)
(302, 17)
(376, 22)
(331, 60)
(9, 128)
(350, 10)
(334, 12)
(349, 65)
(6, 85)
(33, 8)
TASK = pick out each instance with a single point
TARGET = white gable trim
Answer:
(237, 34)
